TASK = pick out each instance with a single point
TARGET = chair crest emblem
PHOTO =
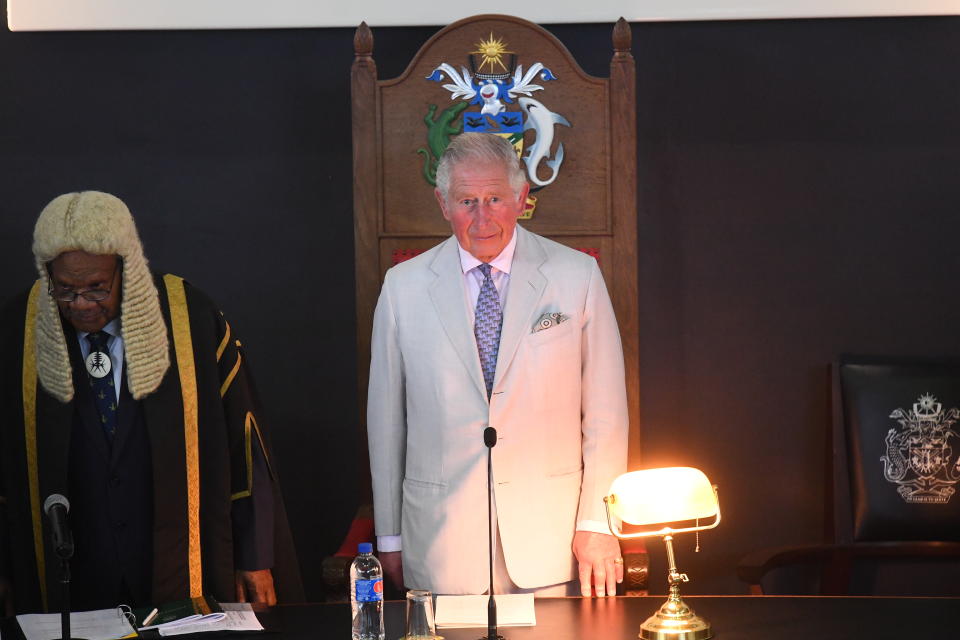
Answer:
(919, 457)
(502, 90)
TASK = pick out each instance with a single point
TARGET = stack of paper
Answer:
(513, 610)
(234, 617)
(194, 620)
(112, 624)
(105, 624)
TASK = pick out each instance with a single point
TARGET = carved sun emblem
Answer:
(492, 51)
(927, 401)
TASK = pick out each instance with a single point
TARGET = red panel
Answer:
(591, 251)
(402, 255)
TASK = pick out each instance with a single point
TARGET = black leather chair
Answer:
(892, 512)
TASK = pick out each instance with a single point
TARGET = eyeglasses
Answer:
(91, 295)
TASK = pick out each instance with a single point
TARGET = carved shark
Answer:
(541, 120)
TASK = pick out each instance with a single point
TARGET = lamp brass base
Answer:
(675, 621)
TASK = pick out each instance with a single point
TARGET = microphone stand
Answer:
(57, 507)
(65, 554)
(489, 439)
(65, 603)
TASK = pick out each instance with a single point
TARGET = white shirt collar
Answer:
(112, 329)
(502, 262)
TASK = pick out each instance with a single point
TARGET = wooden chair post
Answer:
(366, 190)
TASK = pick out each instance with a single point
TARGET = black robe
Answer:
(194, 475)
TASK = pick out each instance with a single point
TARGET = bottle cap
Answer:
(365, 547)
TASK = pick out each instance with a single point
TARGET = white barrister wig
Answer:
(98, 223)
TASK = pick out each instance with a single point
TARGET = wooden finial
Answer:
(622, 36)
(363, 41)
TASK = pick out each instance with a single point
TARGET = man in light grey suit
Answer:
(498, 327)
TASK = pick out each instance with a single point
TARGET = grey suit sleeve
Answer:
(604, 423)
(386, 414)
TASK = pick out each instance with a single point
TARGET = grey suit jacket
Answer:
(558, 404)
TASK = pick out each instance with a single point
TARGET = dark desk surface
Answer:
(732, 617)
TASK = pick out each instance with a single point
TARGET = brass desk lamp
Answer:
(664, 502)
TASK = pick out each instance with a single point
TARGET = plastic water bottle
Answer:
(366, 594)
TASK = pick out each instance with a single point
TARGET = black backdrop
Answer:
(798, 199)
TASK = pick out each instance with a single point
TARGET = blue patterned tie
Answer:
(486, 327)
(104, 391)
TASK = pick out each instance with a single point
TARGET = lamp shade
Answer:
(658, 496)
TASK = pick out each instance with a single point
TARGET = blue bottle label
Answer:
(370, 590)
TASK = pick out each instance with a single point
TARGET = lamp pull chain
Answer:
(697, 549)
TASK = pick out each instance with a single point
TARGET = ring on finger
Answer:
(618, 560)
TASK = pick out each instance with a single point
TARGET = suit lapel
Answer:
(448, 298)
(526, 287)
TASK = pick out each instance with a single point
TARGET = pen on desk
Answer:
(149, 618)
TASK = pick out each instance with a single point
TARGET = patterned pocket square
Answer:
(549, 320)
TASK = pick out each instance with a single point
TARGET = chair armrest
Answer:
(836, 559)
(753, 566)
(636, 568)
(335, 573)
(335, 569)
(636, 574)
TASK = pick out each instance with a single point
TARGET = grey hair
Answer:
(479, 148)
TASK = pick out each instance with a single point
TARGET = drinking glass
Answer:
(420, 624)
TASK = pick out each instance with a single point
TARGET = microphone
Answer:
(489, 440)
(56, 507)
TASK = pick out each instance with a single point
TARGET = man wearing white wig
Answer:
(132, 398)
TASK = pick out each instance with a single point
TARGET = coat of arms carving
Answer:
(919, 457)
(502, 90)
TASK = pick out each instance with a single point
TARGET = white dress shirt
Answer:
(473, 277)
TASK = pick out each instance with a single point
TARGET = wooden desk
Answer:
(732, 617)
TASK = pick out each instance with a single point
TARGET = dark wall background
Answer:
(798, 199)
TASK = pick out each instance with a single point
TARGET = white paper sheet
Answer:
(238, 616)
(103, 624)
(513, 610)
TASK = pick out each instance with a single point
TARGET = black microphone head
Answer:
(489, 436)
(53, 500)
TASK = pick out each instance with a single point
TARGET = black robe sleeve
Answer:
(251, 478)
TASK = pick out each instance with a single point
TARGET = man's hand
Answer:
(392, 563)
(598, 555)
(256, 586)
